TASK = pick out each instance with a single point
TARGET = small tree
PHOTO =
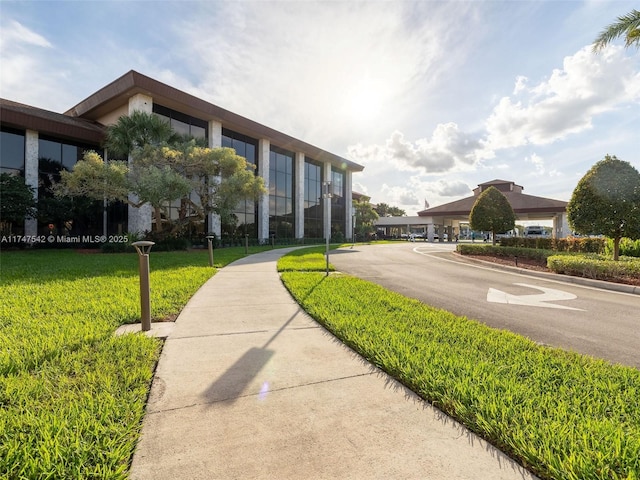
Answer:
(366, 217)
(607, 201)
(16, 199)
(492, 212)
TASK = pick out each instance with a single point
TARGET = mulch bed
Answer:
(539, 266)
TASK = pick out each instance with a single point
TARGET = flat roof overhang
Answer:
(117, 94)
(25, 117)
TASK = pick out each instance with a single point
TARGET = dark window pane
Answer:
(69, 156)
(50, 150)
(180, 127)
(281, 184)
(251, 153)
(227, 142)
(239, 147)
(12, 151)
(289, 186)
(198, 132)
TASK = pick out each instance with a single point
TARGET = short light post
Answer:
(210, 239)
(327, 197)
(353, 226)
(143, 248)
(246, 244)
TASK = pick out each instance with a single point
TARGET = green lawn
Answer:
(72, 394)
(563, 415)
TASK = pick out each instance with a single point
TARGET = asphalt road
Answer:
(593, 321)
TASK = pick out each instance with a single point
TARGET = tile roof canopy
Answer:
(19, 115)
(118, 92)
(520, 202)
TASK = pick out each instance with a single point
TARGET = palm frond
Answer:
(627, 25)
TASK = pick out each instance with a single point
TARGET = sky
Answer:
(431, 97)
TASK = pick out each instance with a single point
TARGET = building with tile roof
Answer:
(448, 217)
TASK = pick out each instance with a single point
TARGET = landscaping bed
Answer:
(591, 265)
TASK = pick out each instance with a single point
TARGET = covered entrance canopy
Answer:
(447, 218)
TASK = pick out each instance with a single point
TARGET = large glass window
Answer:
(281, 208)
(338, 204)
(182, 123)
(246, 212)
(312, 199)
(70, 215)
(12, 152)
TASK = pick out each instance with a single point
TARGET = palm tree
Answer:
(135, 131)
(627, 25)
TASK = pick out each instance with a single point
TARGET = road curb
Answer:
(588, 282)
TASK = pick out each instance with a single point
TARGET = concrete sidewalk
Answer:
(249, 386)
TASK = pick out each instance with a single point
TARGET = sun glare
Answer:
(365, 101)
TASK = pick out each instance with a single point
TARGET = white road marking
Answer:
(535, 300)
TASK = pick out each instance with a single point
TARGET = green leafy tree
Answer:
(492, 212)
(97, 179)
(158, 175)
(366, 217)
(627, 25)
(607, 201)
(17, 199)
(385, 210)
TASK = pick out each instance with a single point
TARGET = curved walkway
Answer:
(249, 386)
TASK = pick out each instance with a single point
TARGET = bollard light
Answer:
(143, 248)
(246, 244)
(210, 245)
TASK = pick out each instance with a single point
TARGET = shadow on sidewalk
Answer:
(232, 384)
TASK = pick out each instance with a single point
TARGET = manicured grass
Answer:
(72, 394)
(563, 415)
(305, 259)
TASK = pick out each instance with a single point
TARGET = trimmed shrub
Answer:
(508, 252)
(596, 266)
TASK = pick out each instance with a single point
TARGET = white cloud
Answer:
(21, 52)
(323, 71)
(540, 167)
(566, 103)
(447, 150)
(15, 34)
(402, 197)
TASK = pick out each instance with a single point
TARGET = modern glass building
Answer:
(36, 144)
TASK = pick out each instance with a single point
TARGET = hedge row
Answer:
(509, 252)
(569, 244)
(596, 267)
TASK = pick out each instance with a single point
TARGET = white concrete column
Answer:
(264, 150)
(31, 175)
(431, 231)
(298, 192)
(348, 201)
(561, 227)
(215, 134)
(326, 204)
(566, 229)
(215, 141)
(140, 218)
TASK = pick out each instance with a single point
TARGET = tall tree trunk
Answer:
(158, 211)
